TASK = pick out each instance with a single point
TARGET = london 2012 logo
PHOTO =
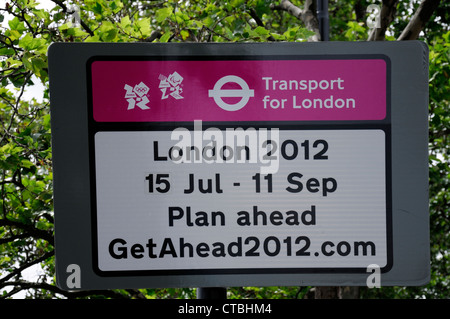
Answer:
(218, 93)
(137, 96)
(171, 86)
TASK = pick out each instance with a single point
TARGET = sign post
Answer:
(216, 165)
(212, 293)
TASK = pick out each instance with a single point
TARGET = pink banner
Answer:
(239, 90)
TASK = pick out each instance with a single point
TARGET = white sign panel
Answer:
(282, 199)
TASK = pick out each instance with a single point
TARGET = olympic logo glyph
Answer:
(137, 94)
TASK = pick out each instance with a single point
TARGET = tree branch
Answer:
(153, 36)
(25, 285)
(259, 22)
(135, 293)
(418, 21)
(29, 230)
(12, 238)
(65, 10)
(360, 10)
(4, 280)
(306, 15)
(387, 15)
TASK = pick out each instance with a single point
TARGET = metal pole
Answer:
(322, 16)
(212, 293)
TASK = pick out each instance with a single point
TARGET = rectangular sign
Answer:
(218, 165)
(240, 199)
(324, 204)
(343, 88)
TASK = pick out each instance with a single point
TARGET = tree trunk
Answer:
(307, 15)
(418, 21)
(345, 292)
(348, 292)
(387, 15)
(326, 292)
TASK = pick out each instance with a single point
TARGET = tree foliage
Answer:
(27, 29)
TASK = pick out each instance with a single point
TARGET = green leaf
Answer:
(77, 32)
(116, 6)
(165, 37)
(65, 26)
(6, 51)
(194, 24)
(125, 22)
(228, 32)
(278, 37)
(16, 24)
(237, 3)
(95, 38)
(262, 31)
(208, 22)
(108, 31)
(41, 14)
(13, 34)
(29, 43)
(163, 14)
(13, 63)
(38, 66)
(97, 8)
(261, 6)
(26, 163)
(143, 26)
(184, 34)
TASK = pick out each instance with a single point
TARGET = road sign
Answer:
(206, 165)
